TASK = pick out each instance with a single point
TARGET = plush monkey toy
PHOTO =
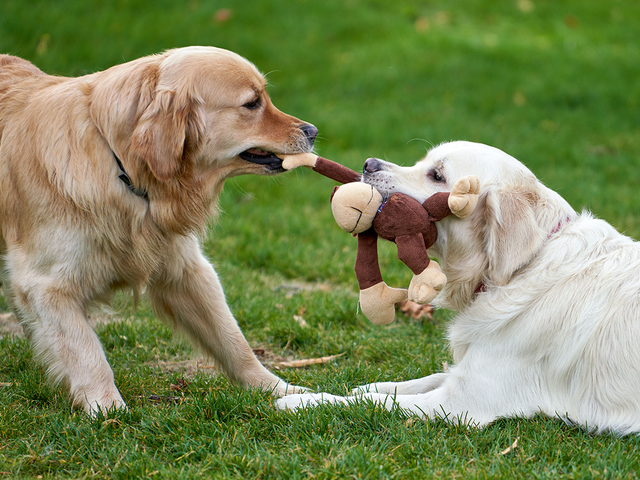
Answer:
(361, 210)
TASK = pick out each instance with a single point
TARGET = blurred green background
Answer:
(554, 83)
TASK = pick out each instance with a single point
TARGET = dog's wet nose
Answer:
(372, 165)
(310, 131)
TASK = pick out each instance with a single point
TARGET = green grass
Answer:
(553, 83)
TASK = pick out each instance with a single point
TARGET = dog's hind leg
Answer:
(189, 294)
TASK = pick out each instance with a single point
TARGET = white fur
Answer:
(557, 325)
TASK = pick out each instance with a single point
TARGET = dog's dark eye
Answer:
(435, 176)
(253, 104)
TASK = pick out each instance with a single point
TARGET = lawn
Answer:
(556, 84)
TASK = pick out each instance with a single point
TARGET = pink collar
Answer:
(482, 287)
(561, 223)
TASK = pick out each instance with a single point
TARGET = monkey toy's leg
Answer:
(428, 279)
(377, 300)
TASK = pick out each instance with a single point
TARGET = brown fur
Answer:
(71, 232)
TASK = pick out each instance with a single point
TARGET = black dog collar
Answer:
(127, 180)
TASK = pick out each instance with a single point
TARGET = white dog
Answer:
(548, 302)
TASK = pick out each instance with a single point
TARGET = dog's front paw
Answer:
(283, 388)
(104, 406)
(464, 196)
(306, 400)
(98, 399)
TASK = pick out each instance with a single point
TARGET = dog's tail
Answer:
(15, 69)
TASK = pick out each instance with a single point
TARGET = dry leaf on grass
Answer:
(181, 384)
(511, 448)
(305, 362)
(166, 399)
(223, 15)
(111, 421)
(301, 321)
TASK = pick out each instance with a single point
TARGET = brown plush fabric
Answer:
(401, 219)
(438, 206)
(412, 253)
(335, 171)
(410, 225)
(400, 215)
(367, 268)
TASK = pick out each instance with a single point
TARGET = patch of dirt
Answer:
(187, 367)
(292, 287)
(194, 365)
(267, 357)
(9, 324)
(295, 286)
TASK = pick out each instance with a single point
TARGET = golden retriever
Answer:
(107, 181)
(548, 302)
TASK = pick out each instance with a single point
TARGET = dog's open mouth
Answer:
(261, 157)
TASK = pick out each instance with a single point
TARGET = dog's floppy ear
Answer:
(170, 125)
(512, 231)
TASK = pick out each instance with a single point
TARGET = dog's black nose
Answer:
(310, 131)
(372, 165)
